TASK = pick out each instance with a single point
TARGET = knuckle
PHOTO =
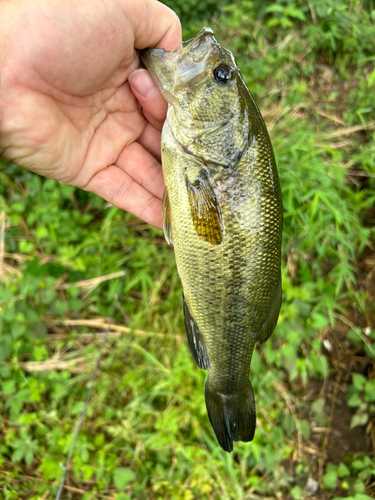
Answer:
(122, 192)
(147, 209)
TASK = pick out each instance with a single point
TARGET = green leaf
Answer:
(297, 493)
(18, 207)
(18, 329)
(343, 470)
(26, 246)
(318, 405)
(341, 498)
(305, 428)
(60, 307)
(319, 321)
(359, 419)
(8, 387)
(122, 477)
(29, 455)
(358, 381)
(122, 496)
(370, 391)
(275, 8)
(354, 400)
(75, 304)
(18, 454)
(41, 232)
(290, 423)
(5, 347)
(330, 480)
(293, 12)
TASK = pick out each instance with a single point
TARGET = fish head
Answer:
(205, 90)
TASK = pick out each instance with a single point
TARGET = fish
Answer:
(222, 211)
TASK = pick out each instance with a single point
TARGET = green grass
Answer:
(146, 435)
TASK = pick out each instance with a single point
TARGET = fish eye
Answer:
(223, 73)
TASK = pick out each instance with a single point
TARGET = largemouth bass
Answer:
(222, 211)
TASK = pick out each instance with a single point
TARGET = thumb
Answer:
(154, 24)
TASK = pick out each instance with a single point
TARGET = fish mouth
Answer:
(176, 69)
(147, 55)
(205, 35)
(204, 32)
(157, 63)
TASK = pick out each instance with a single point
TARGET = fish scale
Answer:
(222, 211)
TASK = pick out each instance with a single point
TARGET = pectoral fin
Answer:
(272, 316)
(196, 342)
(167, 221)
(205, 210)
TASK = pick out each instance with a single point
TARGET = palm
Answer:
(77, 119)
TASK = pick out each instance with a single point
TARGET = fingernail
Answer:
(142, 82)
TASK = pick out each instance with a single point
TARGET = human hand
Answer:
(68, 95)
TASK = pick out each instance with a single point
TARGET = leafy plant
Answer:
(361, 395)
(350, 477)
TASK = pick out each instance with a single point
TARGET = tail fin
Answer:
(232, 416)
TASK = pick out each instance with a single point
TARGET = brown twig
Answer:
(351, 130)
(358, 173)
(75, 490)
(336, 145)
(311, 451)
(55, 364)
(334, 118)
(17, 256)
(82, 492)
(7, 269)
(312, 11)
(99, 323)
(284, 393)
(92, 282)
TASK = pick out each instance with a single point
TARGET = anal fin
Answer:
(196, 341)
(272, 316)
